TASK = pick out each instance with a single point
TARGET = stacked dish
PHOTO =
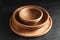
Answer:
(30, 21)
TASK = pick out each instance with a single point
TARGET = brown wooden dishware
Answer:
(30, 15)
(27, 22)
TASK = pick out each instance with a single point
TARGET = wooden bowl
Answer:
(25, 30)
(30, 15)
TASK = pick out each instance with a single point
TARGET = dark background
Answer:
(8, 6)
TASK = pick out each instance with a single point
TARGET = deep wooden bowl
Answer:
(30, 15)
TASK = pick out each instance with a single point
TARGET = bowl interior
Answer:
(29, 13)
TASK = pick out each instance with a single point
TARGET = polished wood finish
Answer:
(30, 21)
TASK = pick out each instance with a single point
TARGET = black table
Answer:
(8, 6)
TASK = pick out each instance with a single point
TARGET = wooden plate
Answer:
(36, 33)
